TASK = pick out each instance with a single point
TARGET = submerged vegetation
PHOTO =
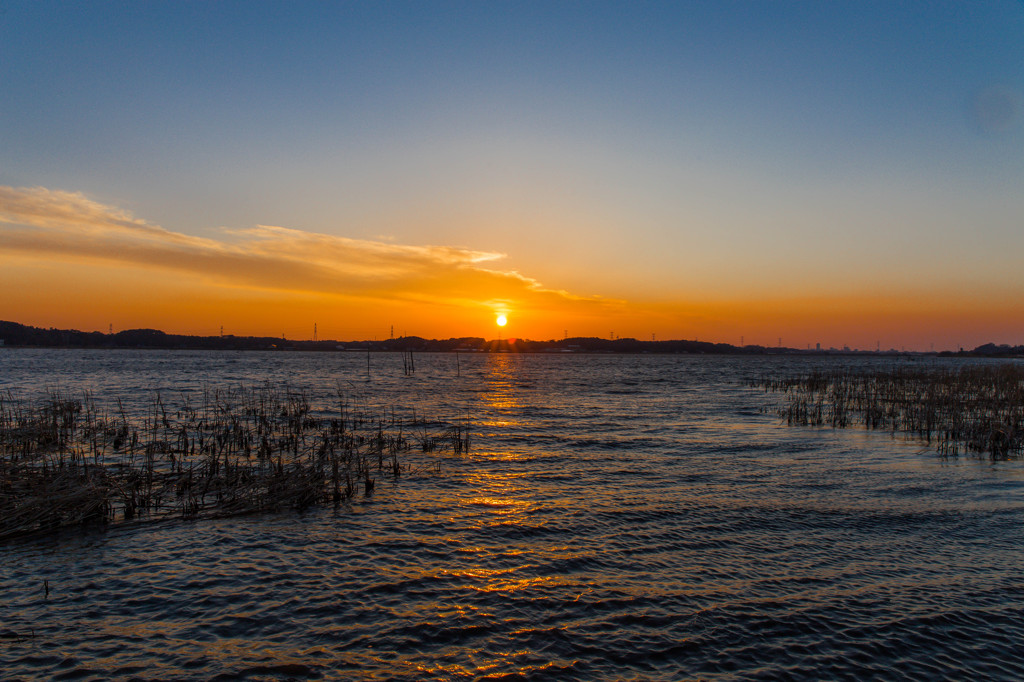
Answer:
(977, 410)
(65, 461)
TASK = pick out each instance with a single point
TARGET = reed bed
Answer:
(976, 410)
(65, 461)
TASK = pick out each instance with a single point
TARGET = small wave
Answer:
(290, 670)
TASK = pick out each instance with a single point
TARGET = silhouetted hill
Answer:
(14, 334)
(1002, 350)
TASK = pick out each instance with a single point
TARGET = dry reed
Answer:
(977, 410)
(66, 462)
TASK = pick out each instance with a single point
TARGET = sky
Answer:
(842, 173)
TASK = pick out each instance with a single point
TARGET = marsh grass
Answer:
(64, 461)
(977, 411)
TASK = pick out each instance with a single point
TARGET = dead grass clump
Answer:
(65, 462)
(976, 410)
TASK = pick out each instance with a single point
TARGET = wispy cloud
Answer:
(41, 222)
(39, 207)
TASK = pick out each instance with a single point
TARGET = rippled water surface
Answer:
(618, 517)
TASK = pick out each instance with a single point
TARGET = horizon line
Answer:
(510, 341)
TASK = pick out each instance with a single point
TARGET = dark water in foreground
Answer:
(619, 517)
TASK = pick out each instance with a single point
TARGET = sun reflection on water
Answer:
(503, 399)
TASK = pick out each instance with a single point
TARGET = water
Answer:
(619, 517)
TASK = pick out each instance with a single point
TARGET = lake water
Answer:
(618, 517)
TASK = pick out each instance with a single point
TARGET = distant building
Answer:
(817, 346)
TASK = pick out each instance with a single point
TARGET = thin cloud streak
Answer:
(39, 222)
(54, 209)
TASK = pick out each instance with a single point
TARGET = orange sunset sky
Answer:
(834, 173)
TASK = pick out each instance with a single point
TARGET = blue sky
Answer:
(657, 152)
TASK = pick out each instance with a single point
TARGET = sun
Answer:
(501, 320)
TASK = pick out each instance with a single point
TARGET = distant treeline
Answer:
(15, 334)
